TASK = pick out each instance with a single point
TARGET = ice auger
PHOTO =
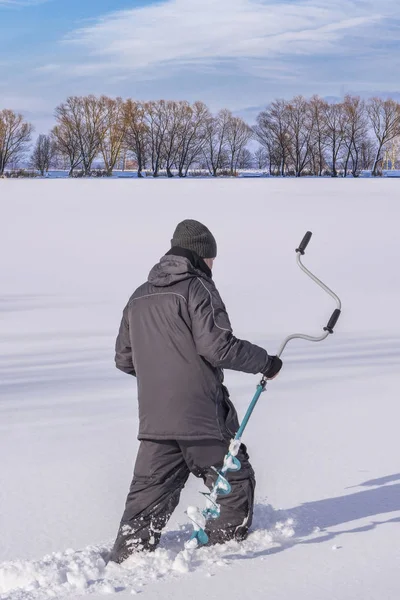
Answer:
(222, 486)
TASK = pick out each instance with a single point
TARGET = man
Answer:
(176, 338)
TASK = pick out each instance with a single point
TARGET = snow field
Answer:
(323, 440)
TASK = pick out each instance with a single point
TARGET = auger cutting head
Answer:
(221, 487)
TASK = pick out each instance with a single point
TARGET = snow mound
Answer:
(72, 573)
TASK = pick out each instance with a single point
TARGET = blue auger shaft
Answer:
(260, 389)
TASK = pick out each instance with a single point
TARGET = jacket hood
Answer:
(172, 269)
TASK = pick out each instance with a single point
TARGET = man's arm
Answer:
(212, 333)
(123, 350)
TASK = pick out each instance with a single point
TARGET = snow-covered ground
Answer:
(324, 440)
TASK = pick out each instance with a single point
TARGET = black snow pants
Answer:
(161, 471)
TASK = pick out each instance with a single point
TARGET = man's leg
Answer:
(236, 508)
(159, 477)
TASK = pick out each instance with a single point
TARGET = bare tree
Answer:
(246, 159)
(261, 157)
(317, 108)
(300, 129)
(269, 145)
(112, 134)
(355, 132)
(176, 116)
(85, 117)
(265, 137)
(43, 154)
(157, 121)
(137, 133)
(238, 135)
(367, 154)
(215, 147)
(272, 132)
(384, 116)
(67, 131)
(192, 136)
(15, 135)
(67, 145)
(335, 131)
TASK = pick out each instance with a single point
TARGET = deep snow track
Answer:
(71, 573)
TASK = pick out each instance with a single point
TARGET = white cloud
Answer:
(233, 53)
(203, 32)
(49, 68)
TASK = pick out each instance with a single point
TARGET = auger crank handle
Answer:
(304, 243)
(333, 320)
(336, 313)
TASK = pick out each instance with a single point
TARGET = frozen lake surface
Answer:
(324, 441)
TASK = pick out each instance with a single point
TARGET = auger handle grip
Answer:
(304, 243)
(333, 320)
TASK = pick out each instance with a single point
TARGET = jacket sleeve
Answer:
(123, 350)
(212, 332)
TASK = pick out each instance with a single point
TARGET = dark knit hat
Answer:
(195, 236)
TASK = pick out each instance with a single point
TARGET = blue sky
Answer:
(238, 54)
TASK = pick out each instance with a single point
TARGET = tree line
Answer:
(290, 138)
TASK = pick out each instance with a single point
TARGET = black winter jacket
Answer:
(176, 337)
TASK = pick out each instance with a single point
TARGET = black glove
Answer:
(274, 365)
